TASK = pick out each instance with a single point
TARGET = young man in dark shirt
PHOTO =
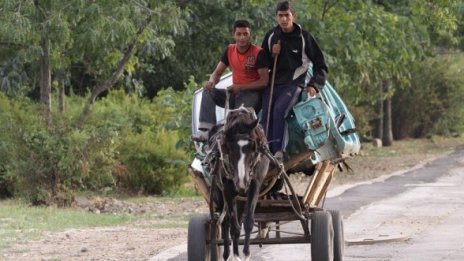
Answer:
(295, 50)
(250, 74)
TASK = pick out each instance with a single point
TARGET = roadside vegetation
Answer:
(19, 222)
(95, 96)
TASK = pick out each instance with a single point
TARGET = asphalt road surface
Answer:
(415, 215)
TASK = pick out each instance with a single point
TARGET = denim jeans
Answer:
(283, 98)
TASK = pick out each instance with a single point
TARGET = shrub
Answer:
(433, 103)
(51, 162)
(126, 141)
(154, 163)
(11, 112)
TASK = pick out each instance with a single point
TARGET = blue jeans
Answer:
(283, 98)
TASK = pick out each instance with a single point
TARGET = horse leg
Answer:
(252, 200)
(233, 223)
(225, 235)
(235, 232)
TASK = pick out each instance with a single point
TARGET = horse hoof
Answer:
(247, 258)
(236, 258)
(233, 258)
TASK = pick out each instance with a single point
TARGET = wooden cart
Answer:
(321, 228)
(322, 134)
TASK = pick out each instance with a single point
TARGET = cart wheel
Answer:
(339, 235)
(198, 230)
(322, 236)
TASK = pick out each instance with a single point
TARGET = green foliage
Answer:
(87, 38)
(10, 114)
(177, 111)
(433, 104)
(128, 142)
(50, 161)
(439, 17)
(154, 164)
(369, 42)
(151, 152)
(156, 153)
(209, 31)
(143, 145)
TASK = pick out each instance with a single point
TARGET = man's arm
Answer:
(215, 76)
(259, 84)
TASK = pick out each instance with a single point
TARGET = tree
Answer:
(100, 36)
(35, 31)
(370, 43)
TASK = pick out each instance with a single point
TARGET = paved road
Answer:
(422, 210)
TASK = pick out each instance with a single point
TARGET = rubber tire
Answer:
(198, 229)
(322, 236)
(339, 235)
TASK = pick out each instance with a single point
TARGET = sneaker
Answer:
(279, 156)
(200, 136)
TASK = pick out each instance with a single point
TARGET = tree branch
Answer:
(109, 83)
(327, 6)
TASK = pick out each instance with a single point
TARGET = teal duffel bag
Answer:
(324, 125)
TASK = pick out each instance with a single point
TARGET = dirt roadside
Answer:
(167, 224)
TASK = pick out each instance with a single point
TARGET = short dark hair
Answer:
(241, 23)
(284, 6)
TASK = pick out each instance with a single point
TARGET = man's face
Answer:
(285, 20)
(242, 36)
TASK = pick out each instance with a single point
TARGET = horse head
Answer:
(241, 144)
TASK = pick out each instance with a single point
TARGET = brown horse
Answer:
(243, 167)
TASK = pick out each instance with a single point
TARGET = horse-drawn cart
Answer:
(321, 136)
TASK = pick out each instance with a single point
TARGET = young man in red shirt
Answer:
(250, 75)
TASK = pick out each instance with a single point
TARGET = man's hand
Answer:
(276, 49)
(234, 89)
(311, 91)
(209, 85)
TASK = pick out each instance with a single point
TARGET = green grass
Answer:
(186, 191)
(19, 222)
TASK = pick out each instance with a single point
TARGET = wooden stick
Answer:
(270, 95)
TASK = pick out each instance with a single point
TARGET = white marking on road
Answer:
(430, 185)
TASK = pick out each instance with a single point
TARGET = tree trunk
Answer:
(378, 121)
(387, 139)
(61, 102)
(45, 79)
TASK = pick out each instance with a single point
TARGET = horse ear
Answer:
(251, 110)
(253, 124)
